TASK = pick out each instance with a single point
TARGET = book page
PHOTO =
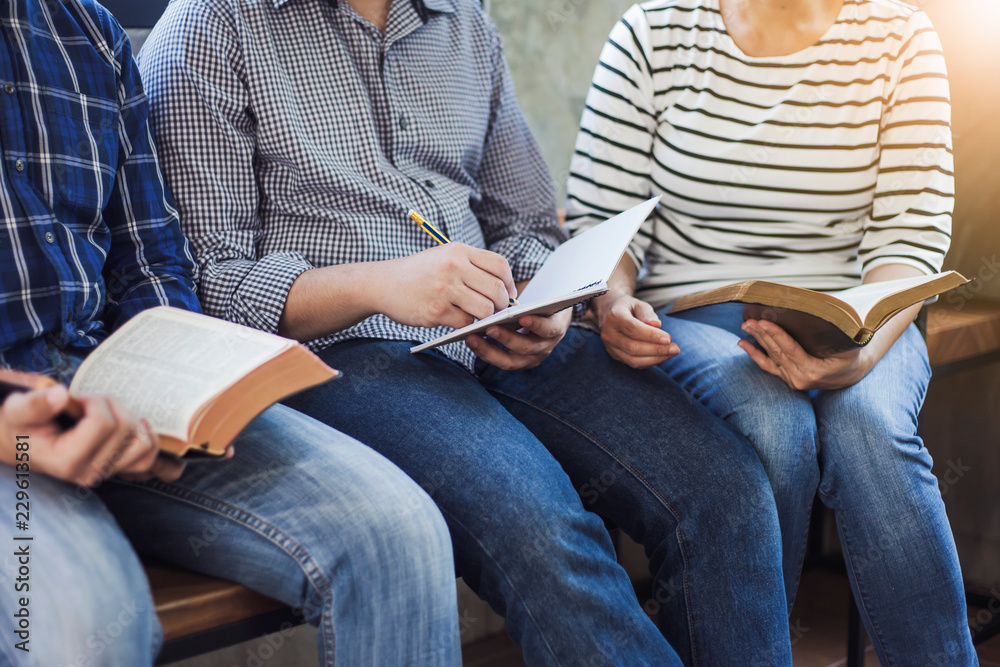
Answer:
(864, 297)
(588, 259)
(165, 363)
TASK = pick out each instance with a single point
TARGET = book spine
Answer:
(864, 337)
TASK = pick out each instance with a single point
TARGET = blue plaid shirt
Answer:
(89, 235)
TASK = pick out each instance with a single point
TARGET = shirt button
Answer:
(50, 237)
(9, 88)
(402, 123)
(429, 183)
(19, 165)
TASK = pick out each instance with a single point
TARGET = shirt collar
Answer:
(422, 6)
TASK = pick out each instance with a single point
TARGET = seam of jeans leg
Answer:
(663, 501)
(802, 543)
(451, 517)
(243, 518)
(846, 540)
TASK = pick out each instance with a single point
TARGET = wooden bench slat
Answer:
(959, 335)
(187, 602)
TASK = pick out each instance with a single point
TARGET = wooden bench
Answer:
(201, 614)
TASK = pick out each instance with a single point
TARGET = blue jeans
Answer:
(859, 447)
(302, 513)
(523, 473)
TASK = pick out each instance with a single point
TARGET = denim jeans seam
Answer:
(863, 596)
(453, 519)
(254, 523)
(801, 550)
(607, 450)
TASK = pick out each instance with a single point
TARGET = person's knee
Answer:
(781, 426)
(401, 529)
(867, 433)
(421, 525)
(869, 449)
(116, 626)
(742, 496)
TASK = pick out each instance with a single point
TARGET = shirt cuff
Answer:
(259, 301)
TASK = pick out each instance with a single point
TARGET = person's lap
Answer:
(509, 505)
(507, 499)
(858, 447)
(681, 483)
(319, 521)
(301, 513)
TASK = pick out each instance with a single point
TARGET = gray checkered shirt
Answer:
(295, 135)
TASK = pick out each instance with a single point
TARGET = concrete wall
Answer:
(552, 47)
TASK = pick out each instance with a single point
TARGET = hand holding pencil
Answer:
(436, 234)
(525, 348)
(451, 284)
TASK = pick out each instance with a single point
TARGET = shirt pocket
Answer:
(82, 149)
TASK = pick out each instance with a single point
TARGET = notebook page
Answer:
(588, 259)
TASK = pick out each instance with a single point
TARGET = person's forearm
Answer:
(894, 328)
(329, 299)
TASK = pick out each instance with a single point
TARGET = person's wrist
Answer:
(604, 304)
(372, 286)
(852, 372)
(866, 361)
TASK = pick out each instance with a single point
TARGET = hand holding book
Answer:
(102, 440)
(781, 355)
(814, 340)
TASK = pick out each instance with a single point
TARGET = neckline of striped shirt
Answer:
(706, 16)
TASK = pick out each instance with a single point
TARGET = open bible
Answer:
(823, 323)
(575, 271)
(198, 380)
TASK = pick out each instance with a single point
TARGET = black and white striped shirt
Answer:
(809, 169)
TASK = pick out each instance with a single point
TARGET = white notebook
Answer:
(576, 271)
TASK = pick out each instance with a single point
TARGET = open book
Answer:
(575, 271)
(198, 380)
(823, 323)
